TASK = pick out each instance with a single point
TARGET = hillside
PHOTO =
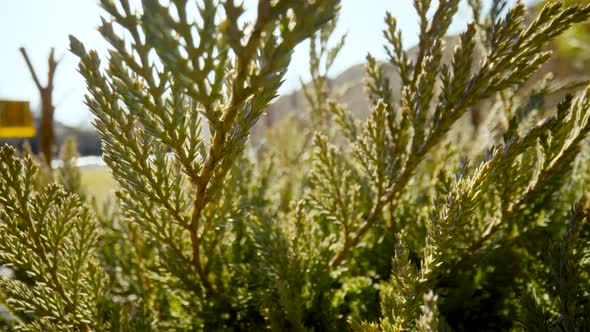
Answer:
(349, 84)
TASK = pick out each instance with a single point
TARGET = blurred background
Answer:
(40, 25)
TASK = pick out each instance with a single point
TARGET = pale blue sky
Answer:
(39, 25)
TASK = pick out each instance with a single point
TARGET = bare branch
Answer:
(31, 69)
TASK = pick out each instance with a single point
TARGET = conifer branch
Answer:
(567, 128)
(49, 236)
(377, 223)
(464, 89)
(205, 76)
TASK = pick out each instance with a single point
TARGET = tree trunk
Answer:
(46, 133)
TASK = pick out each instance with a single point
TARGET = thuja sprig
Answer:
(566, 269)
(559, 141)
(47, 238)
(331, 193)
(567, 264)
(321, 59)
(516, 54)
(166, 75)
(429, 320)
(399, 295)
(68, 174)
(449, 216)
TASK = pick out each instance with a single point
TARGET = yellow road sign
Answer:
(16, 120)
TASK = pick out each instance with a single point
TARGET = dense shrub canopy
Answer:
(415, 218)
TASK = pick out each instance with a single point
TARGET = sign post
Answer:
(16, 120)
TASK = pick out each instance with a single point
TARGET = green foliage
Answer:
(158, 92)
(574, 44)
(413, 219)
(321, 60)
(569, 265)
(68, 174)
(48, 241)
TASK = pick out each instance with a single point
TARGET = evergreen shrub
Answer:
(412, 219)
